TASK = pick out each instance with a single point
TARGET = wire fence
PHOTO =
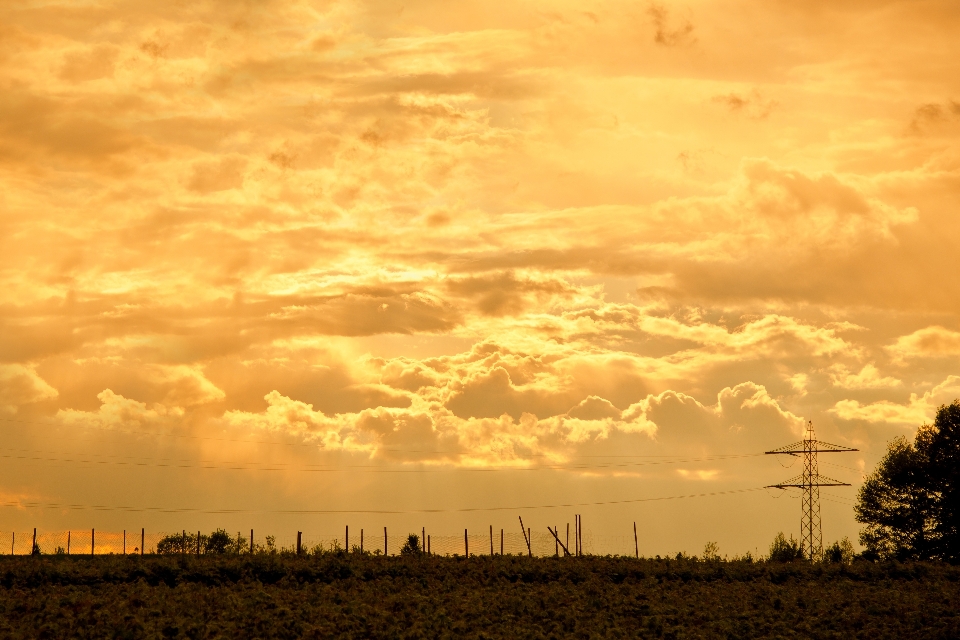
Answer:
(138, 541)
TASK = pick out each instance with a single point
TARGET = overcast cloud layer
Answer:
(461, 236)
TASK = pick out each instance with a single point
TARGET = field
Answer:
(349, 595)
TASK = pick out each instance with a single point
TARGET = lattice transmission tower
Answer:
(809, 483)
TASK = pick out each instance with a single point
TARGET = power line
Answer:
(54, 505)
(173, 463)
(305, 444)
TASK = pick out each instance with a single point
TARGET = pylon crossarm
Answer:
(804, 486)
(797, 448)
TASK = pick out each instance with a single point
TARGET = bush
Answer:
(783, 550)
(840, 552)
(218, 542)
(411, 546)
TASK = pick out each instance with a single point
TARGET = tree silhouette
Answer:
(411, 546)
(909, 503)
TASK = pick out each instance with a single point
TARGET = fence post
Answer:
(466, 544)
(251, 541)
(299, 533)
(93, 537)
(361, 541)
(491, 540)
(568, 535)
(124, 542)
(636, 545)
(501, 541)
(526, 538)
(142, 538)
(529, 542)
(68, 543)
(384, 541)
(198, 544)
(576, 532)
(556, 544)
(423, 540)
(429, 552)
(33, 549)
(346, 539)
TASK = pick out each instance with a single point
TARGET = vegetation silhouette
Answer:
(411, 546)
(910, 503)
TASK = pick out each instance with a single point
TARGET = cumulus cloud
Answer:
(919, 409)
(459, 235)
(869, 377)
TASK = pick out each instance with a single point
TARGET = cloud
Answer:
(918, 410)
(117, 412)
(745, 412)
(752, 104)
(220, 175)
(20, 385)
(868, 378)
(934, 341)
(680, 34)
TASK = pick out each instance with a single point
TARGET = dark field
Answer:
(483, 597)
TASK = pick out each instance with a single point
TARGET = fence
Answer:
(87, 542)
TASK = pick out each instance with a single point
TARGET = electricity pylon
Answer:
(809, 483)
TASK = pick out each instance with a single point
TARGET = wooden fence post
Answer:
(529, 542)
(568, 535)
(346, 539)
(556, 544)
(361, 540)
(384, 541)
(580, 532)
(636, 545)
(491, 540)
(556, 536)
(33, 549)
(423, 540)
(198, 544)
(466, 544)
(143, 537)
(501, 541)
(124, 542)
(93, 548)
(299, 533)
(68, 543)
(526, 539)
(251, 541)
(429, 552)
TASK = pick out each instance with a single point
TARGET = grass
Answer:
(348, 595)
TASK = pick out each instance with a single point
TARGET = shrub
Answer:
(840, 552)
(411, 546)
(783, 550)
(218, 542)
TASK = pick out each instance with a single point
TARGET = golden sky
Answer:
(425, 243)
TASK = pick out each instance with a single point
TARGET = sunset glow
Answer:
(470, 255)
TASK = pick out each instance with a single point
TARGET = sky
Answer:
(445, 260)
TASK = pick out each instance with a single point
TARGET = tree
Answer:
(896, 506)
(941, 446)
(910, 504)
(411, 546)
